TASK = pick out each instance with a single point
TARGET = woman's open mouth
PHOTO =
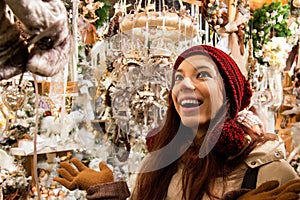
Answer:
(190, 103)
(190, 106)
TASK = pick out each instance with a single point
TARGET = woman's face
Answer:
(198, 91)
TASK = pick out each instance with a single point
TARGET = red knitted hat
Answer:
(230, 137)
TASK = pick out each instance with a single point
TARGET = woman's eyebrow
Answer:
(204, 67)
(179, 70)
(198, 68)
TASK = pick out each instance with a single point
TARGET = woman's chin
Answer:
(192, 122)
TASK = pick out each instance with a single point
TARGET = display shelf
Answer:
(26, 149)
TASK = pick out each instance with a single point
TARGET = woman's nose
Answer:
(187, 83)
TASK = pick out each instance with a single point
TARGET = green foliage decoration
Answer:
(267, 22)
(103, 14)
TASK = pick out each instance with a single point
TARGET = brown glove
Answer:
(272, 191)
(83, 177)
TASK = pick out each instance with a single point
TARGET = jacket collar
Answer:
(268, 152)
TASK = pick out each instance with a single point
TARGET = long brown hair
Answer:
(154, 184)
(198, 173)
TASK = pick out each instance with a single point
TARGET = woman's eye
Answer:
(204, 74)
(178, 77)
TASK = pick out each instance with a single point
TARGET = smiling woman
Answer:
(220, 82)
(196, 89)
(212, 132)
(207, 146)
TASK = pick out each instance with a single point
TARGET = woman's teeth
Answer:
(189, 103)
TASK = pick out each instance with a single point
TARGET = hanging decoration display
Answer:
(135, 71)
(114, 91)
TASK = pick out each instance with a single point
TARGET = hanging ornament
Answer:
(13, 98)
(87, 31)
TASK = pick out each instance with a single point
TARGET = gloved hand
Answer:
(82, 177)
(272, 191)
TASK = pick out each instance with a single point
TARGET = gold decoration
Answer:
(13, 98)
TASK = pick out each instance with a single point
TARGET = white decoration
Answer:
(6, 161)
(52, 125)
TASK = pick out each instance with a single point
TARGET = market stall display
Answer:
(91, 79)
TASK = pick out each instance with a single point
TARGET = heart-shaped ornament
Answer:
(13, 98)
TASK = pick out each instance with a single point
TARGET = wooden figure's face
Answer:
(296, 3)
